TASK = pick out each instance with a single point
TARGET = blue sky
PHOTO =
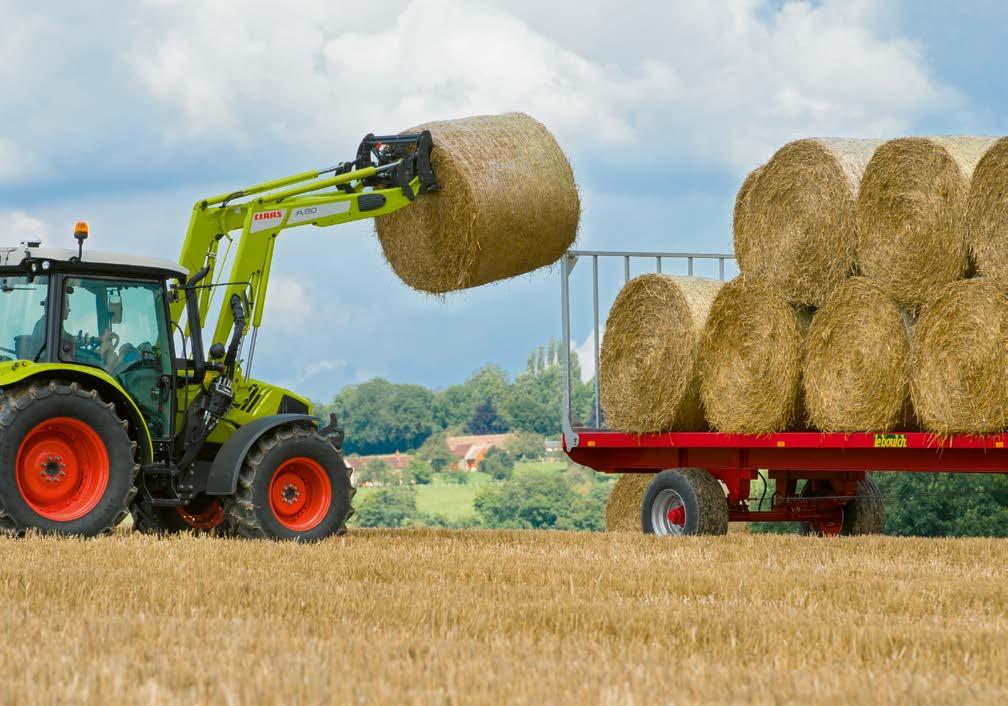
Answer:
(126, 118)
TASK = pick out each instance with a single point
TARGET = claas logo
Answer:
(890, 441)
(267, 215)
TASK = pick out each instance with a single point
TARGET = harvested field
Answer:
(794, 217)
(507, 205)
(911, 214)
(441, 617)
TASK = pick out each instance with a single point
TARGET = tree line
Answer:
(382, 417)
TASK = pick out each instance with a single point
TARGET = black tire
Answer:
(203, 515)
(864, 514)
(702, 500)
(249, 513)
(22, 411)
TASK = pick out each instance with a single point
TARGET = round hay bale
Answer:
(855, 369)
(911, 214)
(507, 205)
(622, 512)
(958, 359)
(647, 364)
(750, 360)
(794, 217)
(986, 221)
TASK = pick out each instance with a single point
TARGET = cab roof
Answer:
(119, 262)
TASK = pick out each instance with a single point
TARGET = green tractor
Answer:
(110, 404)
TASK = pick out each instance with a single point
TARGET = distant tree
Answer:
(380, 417)
(540, 499)
(435, 451)
(498, 463)
(421, 471)
(394, 506)
(944, 504)
(485, 419)
(526, 446)
(379, 471)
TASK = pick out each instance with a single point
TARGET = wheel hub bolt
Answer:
(53, 469)
(290, 493)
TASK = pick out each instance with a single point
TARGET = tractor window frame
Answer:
(57, 286)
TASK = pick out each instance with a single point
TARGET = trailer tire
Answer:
(863, 514)
(684, 501)
(54, 433)
(293, 485)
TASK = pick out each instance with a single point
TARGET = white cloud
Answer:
(586, 355)
(17, 226)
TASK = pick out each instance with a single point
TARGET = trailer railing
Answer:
(567, 265)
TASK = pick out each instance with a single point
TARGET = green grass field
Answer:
(453, 501)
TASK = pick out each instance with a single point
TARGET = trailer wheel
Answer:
(863, 514)
(294, 485)
(684, 501)
(66, 462)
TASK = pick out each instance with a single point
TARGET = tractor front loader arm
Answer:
(387, 174)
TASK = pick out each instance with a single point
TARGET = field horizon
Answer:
(522, 617)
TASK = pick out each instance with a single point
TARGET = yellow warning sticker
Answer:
(890, 441)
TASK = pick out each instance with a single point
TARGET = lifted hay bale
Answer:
(623, 511)
(911, 214)
(958, 359)
(987, 213)
(750, 360)
(507, 205)
(794, 217)
(855, 369)
(647, 366)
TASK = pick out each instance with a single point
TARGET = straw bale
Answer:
(647, 366)
(794, 217)
(958, 359)
(623, 511)
(987, 213)
(750, 359)
(507, 205)
(855, 370)
(911, 214)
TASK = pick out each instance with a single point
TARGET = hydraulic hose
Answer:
(238, 312)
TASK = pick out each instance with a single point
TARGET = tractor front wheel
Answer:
(66, 462)
(293, 485)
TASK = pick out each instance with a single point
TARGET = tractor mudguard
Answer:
(223, 477)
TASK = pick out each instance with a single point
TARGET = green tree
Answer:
(421, 471)
(435, 451)
(526, 446)
(394, 506)
(498, 463)
(540, 500)
(485, 419)
(944, 504)
(380, 417)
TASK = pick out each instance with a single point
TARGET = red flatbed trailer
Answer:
(694, 469)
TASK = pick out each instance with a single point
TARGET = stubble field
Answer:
(479, 617)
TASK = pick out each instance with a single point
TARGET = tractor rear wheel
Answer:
(684, 501)
(67, 464)
(293, 485)
(201, 515)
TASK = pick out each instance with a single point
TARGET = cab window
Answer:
(22, 317)
(121, 326)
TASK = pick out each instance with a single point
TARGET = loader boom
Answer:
(386, 176)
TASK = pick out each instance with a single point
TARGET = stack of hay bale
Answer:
(872, 297)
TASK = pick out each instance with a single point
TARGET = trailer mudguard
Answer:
(223, 477)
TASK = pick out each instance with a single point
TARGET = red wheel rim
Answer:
(677, 516)
(300, 494)
(62, 469)
(204, 515)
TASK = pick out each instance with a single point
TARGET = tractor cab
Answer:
(61, 307)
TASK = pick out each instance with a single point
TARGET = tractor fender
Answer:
(17, 372)
(223, 476)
